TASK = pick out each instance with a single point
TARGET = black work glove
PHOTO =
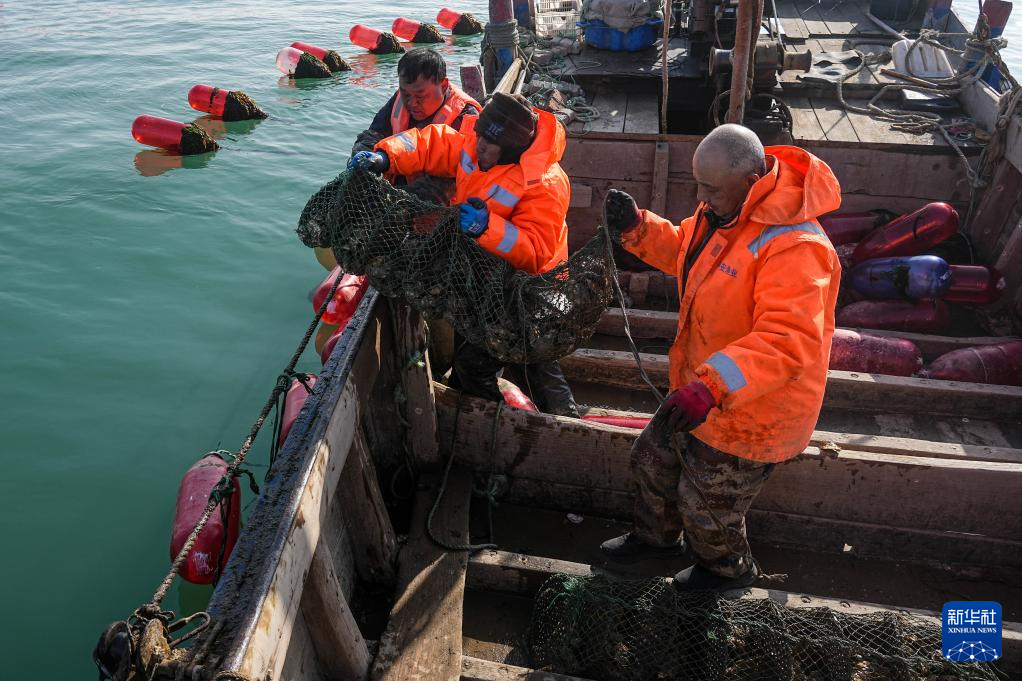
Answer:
(622, 213)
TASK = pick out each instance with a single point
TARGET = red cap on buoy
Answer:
(365, 37)
(405, 28)
(287, 60)
(448, 18)
(315, 51)
(157, 132)
(208, 99)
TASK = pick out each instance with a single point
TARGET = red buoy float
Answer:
(447, 18)
(636, 422)
(180, 138)
(416, 31)
(909, 234)
(974, 285)
(847, 228)
(375, 41)
(459, 23)
(920, 316)
(999, 364)
(205, 560)
(295, 399)
(854, 351)
(328, 347)
(514, 397)
(333, 61)
(230, 105)
(347, 297)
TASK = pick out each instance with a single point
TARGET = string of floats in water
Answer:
(297, 61)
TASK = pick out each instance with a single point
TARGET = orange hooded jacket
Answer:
(757, 308)
(527, 200)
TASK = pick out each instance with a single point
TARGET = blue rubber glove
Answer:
(374, 162)
(475, 217)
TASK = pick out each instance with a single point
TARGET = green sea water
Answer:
(146, 310)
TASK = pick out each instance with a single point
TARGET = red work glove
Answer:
(687, 407)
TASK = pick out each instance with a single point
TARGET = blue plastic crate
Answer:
(602, 36)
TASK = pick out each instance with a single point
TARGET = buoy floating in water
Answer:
(180, 138)
(909, 234)
(416, 32)
(377, 42)
(459, 23)
(333, 61)
(204, 561)
(295, 63)
(230, 105)
(295, 399)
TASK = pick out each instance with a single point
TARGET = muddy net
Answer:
(642, 630)
(412, 249)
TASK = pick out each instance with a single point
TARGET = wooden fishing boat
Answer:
(906, 497)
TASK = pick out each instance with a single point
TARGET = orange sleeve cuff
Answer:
(708, 377)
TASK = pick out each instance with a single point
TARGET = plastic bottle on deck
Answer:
(157, 132)
(974, 285)
(920, 276)
(447, 18)
(909, 234)
(208, 99)
(999, 364)
(920, 316)
(365, 37)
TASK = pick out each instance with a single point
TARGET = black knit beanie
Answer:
(507, 121)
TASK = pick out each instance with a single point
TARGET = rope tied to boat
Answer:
(119, 646)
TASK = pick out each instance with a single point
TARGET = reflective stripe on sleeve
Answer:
(771, 233)
(733, 377)
(407, 141)
(510, 238)
(503, 196)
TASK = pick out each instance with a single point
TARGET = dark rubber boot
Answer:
(698, 578)
(628, 548)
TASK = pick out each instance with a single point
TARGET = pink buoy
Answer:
(920, 316)
(999, 364)
(158, 132)
(846, 228)
(215, 542)
(406, 29)
(447, 18)
(348, 295)
(295, 399)
(974, 285)
(328, 347)
(315, 51)
(208, 99)
(365, 37)
(514, 397)
(854, 351)
(909, 234)
(287, 60)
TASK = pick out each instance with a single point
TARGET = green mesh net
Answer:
(412, 249)
(644, 630)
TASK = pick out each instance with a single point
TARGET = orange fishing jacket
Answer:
(527, 200)
(756, 314)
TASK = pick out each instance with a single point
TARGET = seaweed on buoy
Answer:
(467, 25)
(195, 140)
(240, 107)
(428, 33)
(387, 44)
(310, 66)
(335, 62)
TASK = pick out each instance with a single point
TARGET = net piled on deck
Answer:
(413, 249)
(643, 630)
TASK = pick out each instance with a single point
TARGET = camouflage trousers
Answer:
(689, 490)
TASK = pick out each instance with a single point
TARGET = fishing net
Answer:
(195, 140)
(335, 62)
(467, 25)
(310, 66)
(413, 249)
(387, 44)
(240, 107)
(428, 33)
(642, 630)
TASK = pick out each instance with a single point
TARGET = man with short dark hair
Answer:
(513, 197)
(424, 97)
(757, 283)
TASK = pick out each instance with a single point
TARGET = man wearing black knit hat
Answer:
(513, 197)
